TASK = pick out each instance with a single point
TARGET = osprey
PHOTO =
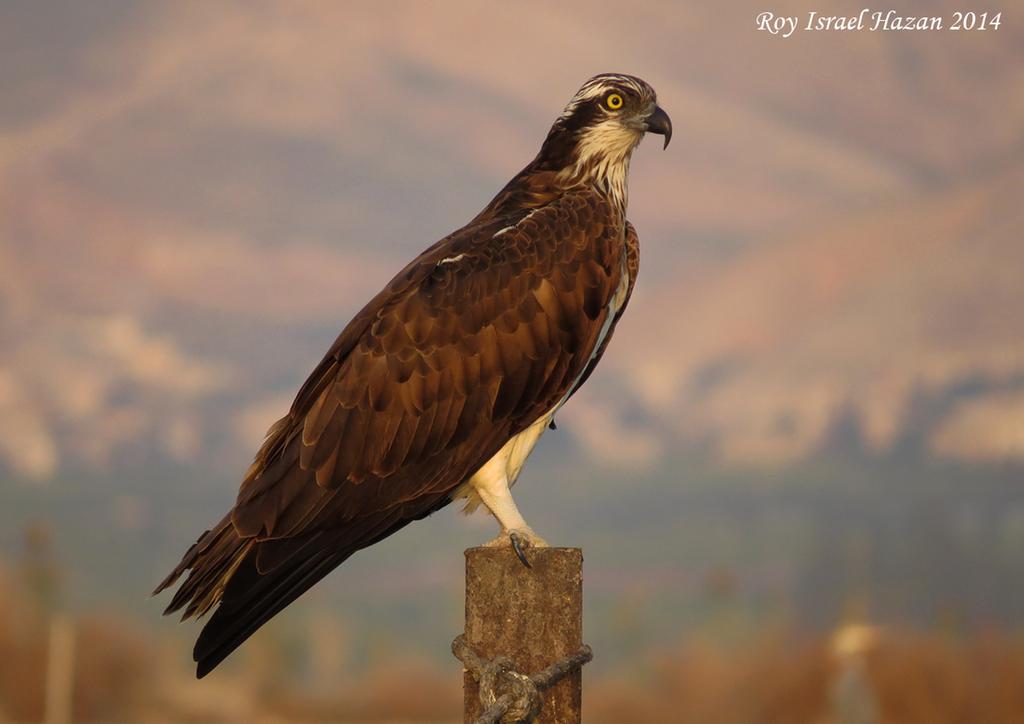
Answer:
(441, 386)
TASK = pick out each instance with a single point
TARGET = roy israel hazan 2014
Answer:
(866, 19)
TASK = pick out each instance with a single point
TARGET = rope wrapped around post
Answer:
(506, 694)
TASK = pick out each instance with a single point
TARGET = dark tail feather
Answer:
(251, 598)
(210, 563)
(249, 586)
(222, 569)
(254, 596)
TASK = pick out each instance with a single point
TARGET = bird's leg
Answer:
(514, 530)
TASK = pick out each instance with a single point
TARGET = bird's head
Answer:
(594, 137)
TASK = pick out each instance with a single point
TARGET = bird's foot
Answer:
(520, 540)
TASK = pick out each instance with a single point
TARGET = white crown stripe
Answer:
(601, 84)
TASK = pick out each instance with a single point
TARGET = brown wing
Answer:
(632, 268)
(467, 346)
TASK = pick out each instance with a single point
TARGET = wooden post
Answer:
(534, 616)
(60, 671)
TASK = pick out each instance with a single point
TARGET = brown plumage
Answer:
(480, 337)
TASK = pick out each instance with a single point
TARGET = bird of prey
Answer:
(441, 386)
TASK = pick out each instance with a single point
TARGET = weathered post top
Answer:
(533, 616)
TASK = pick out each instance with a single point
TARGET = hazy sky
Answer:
(195, 198)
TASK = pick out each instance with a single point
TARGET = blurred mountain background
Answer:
(813, 412)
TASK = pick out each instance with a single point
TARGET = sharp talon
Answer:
(517, 547)
(552, 425)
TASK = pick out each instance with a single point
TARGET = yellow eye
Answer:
(614, 101)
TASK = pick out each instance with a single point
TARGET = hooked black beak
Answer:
(659, 122)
